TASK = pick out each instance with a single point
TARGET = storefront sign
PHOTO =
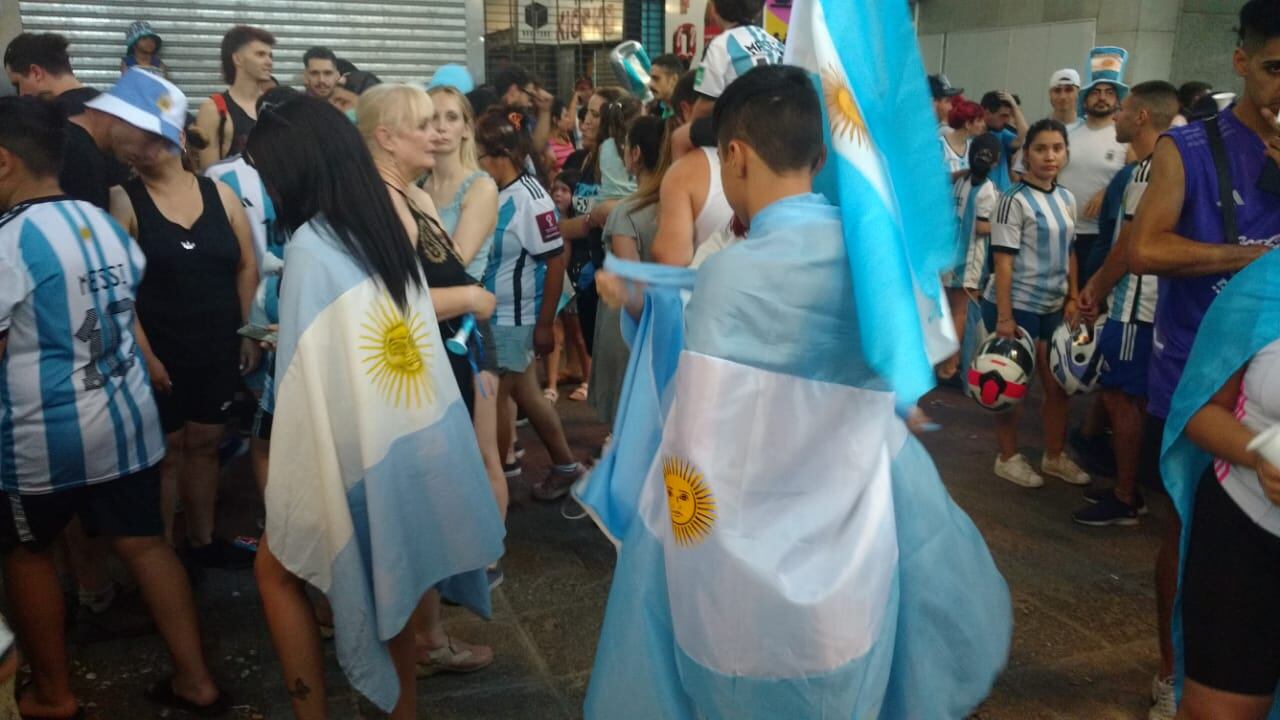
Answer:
(568, 22)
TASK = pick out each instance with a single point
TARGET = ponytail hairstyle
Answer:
(612, 105)
(315, 164)
(649, 134)
(498, 135)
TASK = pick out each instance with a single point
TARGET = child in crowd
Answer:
(142, 49)
(1033, 287)
(976, 197)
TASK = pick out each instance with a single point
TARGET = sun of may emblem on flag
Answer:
(842, 108)
(693, 509)
(397, 354)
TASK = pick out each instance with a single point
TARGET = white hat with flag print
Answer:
(146, 102)
(1106, 65)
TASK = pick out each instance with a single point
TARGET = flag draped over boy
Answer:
(759, 465)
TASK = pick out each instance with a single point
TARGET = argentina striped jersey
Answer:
(75, 402)
(974, 204)
(731, 54)
(247, 185)
(1038, 228)
(1134, 297)
(527, 233)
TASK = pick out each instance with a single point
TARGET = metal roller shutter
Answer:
(399, 40)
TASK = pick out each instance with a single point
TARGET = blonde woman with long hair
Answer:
(397, 123)
(467, 201)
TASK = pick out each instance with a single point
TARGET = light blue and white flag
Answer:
(882, 170)
(376, 490)
(765, 570)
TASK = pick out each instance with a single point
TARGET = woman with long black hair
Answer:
(376, 492)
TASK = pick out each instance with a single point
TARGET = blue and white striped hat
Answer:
(147, 102)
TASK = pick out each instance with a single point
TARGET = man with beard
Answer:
(320, 72)
(1096, 155)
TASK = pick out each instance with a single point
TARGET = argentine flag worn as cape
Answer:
(1243, 319)
(765, 570)
(376, 490)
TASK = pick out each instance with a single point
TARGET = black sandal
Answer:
(162, 693)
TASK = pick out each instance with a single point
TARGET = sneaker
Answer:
(556, 485)
(512, 469)
(1164, 704)
(1108, 511)
(455, 657)
(1018, 471)
(519, 451)
(495, 575)
(1093, 496)
(1064, 469)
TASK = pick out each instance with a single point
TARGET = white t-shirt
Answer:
(956, 161)
(1258, 407)
(1096, 157)
(732, 53)
(527, 233)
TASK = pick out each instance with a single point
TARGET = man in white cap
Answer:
(112, 127)
(1096, 155)
(1064, 91)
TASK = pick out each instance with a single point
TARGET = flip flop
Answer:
(580, 393)
(162, 693)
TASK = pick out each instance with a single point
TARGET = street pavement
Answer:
(1084, 635)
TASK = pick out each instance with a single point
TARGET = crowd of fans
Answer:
(509, 201)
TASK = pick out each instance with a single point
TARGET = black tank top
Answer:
(187, 302)
(442, 268)
(237, 124)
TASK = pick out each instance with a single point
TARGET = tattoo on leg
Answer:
(300, 690)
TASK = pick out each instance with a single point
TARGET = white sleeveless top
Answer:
(716, 213)
(1258, 407)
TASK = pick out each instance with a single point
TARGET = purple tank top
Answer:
(1183, 301)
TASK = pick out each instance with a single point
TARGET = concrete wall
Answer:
(1175, 40)
(1205, 40)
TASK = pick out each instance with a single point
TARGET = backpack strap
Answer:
(220, 102)
(1226, 194)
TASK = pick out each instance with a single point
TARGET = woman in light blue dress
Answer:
(467, 200)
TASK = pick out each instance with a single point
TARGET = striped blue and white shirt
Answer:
(731, 54)
(974, 204)
(527, 233)
(1038, 227)
(247, 184)
(1134, 298)
(75, 403)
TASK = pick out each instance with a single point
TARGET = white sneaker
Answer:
(1018, 471)
(1064, 469)
(1164, 705)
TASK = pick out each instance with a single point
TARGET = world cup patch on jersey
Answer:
(549, 226)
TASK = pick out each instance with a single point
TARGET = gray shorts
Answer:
(514, 347)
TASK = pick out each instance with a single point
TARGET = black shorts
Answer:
(1149, 453)
(128, 506)
(199, 395)
(1230, 587)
